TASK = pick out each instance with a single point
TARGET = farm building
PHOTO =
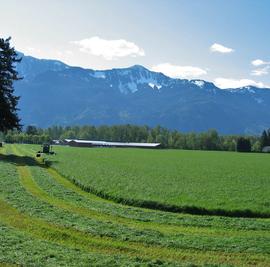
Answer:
(57, 142)
(90, 143)
(266, 149)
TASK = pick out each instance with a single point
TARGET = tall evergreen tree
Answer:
(264, 139)
(243, 145)
(268, 137)
(31, 130)
(8, 101)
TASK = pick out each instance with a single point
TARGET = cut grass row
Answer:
(39, 185)
(24, 250)
(191, 232)
(63, 235)
(75, 239)
(195, 233)
(253, 233)
(66, 189)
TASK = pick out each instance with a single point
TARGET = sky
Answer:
(226, 42)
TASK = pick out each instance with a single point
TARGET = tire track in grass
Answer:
(79, 240)
(52, 232)
(20, 248)
(32, 187)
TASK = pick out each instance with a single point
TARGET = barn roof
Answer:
(105, 143)
(266, 149)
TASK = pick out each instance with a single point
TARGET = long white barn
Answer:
(91, 143)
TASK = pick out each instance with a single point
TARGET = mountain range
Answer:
(53, 93)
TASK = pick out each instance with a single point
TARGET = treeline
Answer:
(209, 140)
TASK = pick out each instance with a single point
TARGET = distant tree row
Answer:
(209, 140)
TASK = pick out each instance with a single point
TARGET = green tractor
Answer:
(46, 149)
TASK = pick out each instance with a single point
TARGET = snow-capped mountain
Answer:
(55, 93)
(130, 80)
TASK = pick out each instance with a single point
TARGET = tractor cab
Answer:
(45, 149)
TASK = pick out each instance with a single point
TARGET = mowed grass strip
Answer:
(31, 186)
(231, 254)
(62, 235)
(76, 239)
(188, 236)
(21, 249)
(161, 227)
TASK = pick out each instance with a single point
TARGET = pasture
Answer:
(50, 216)
(197, 181)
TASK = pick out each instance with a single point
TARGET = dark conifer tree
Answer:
(31, 130)
(268, 137)
(243, 145)
(8, 101)
(264, 139)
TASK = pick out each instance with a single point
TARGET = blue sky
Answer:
(226, 42)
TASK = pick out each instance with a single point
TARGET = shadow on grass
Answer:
(25, 161)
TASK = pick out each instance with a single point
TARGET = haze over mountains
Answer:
(53, 93)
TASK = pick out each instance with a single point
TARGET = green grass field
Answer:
(196, 181)
(47, 220)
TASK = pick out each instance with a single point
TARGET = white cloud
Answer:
(32, 49)
(109, 49)
(260, 72)
(174, 71)
(220, 48)
(64, 53)
(29, 50)
(225, 83)
(259, 62)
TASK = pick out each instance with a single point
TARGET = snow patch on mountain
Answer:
(99, 75)
(130, 80)
(121, 88)
(199, 83)
(248, 88)
(132, 87)
(251, 90)
(258, 100)
(155, 85)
